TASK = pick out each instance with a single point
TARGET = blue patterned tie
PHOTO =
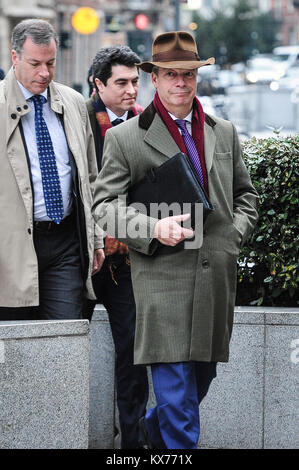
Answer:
(117, 121)
(47, 161)
(191, 148)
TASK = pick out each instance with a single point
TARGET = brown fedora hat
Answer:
(175, 50)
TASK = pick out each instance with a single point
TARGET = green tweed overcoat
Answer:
(185, 300)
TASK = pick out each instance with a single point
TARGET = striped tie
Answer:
(191, 148)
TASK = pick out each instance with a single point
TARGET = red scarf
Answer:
(198, 120)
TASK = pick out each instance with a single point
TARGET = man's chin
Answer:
(129, 104)
(40, 88)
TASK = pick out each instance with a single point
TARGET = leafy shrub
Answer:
(268, 265)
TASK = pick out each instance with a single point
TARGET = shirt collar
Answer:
(187, 118)
(113, 116)
(27, 94)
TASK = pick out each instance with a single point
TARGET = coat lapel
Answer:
(17, 105)
(16, 151)
(67, 119)
(159, 138)
(157, 134)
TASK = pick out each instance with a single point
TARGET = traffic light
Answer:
(141, 21)
(65, 40)
(141, 43)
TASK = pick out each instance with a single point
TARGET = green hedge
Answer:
(268, 271)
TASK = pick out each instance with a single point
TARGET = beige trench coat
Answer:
(18, 261)
(185, 301)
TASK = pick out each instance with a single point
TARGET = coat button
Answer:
(205, 264)
(29, 231)
(13, 116)
(25, 106)
(19, 109)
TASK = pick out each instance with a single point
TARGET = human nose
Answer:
(180, 81)
(131, 89)
(44, 71)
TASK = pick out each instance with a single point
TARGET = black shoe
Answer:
(145, 435)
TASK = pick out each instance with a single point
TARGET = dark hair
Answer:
(40, 31)
(109, 56)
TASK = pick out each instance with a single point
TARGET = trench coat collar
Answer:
(158, 137)
(18, 106)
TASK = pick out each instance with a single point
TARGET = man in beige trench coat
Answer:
(185, 299)
(48, 246)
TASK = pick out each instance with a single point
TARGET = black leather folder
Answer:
(175, 181)
(175, 184)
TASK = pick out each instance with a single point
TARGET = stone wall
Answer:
(253, 402)
(102, 399)
(44, 391)
(57, 384)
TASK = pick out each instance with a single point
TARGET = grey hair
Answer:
(41, 32)
(155, 69)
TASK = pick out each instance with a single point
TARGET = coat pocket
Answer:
(224, 155)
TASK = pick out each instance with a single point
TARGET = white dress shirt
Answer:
(188, 120)
(113, 116)
(61, 151)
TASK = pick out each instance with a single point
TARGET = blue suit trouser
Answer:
(179, 389)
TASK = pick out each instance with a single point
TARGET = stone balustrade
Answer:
(57, 384)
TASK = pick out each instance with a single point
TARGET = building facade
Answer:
(13, 11)
(286, 12)
(117, 25)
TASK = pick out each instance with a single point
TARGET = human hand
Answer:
(98, 260)
(169, 232)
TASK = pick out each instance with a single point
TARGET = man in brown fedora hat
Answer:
(184, 298)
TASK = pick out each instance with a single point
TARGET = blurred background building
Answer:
(132, 22)
(243, 36)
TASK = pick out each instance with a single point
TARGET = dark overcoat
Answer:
(185, 300)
